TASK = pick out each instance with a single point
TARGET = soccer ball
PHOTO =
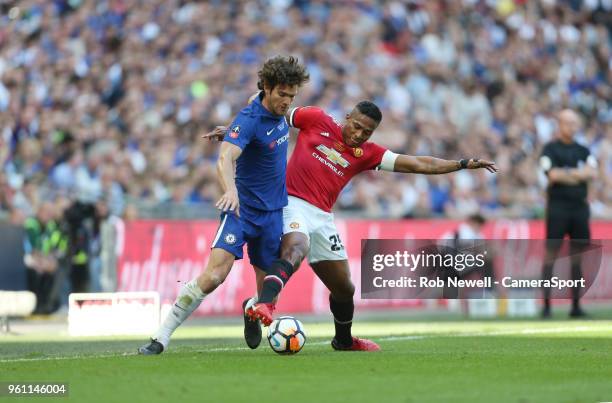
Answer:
(286, 335)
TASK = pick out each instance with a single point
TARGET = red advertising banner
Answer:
(162, 255)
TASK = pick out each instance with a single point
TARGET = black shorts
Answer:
(567, 219)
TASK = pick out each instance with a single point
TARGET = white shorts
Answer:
(318, 226)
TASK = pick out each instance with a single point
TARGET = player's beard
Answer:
(281, 110)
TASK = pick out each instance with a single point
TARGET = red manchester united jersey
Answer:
(321, 164)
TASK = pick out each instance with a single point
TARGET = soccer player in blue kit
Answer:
(252, 168)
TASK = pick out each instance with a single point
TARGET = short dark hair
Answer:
(282, 70)
(477, 218)
(369, 109)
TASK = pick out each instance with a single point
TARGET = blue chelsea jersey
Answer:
(262, 166)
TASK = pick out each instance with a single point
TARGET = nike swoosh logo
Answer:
(270, 131)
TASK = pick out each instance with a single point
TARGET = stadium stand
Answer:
(106, 100)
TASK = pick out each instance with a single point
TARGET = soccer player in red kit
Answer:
(326, 157)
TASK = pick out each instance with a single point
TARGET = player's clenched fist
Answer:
(229, 202)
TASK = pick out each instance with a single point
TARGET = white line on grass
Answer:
(321, 343)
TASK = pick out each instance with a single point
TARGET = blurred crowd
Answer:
(104, 102)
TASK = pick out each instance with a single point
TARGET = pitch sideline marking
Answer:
(320, 343)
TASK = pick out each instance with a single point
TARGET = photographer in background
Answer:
(83, 221)
(45, 246)
(468, 236)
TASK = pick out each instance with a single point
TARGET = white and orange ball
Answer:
(286, 335)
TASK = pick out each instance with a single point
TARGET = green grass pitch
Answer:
(421, 361)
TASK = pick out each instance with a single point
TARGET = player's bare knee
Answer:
(214, 275)
(216, 278)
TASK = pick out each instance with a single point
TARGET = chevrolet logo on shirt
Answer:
(333, 155)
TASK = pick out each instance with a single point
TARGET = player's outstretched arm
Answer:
(226, 170)
(433, 166)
